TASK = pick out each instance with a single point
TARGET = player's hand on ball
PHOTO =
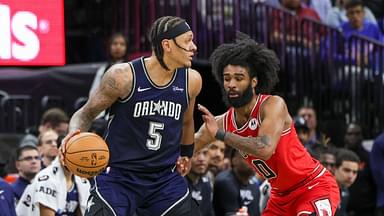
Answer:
(64, 142)
(183, 165)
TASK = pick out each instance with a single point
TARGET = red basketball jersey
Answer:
(290, 166)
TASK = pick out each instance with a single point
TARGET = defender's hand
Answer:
(209, 119)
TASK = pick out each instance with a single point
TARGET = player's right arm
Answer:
(116, 83)
(203, 137)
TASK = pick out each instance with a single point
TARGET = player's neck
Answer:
(157, 73)
(242, 113)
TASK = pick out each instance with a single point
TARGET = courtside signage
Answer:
(32, 32)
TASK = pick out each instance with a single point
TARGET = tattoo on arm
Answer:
(250, 145)
(83, 122)
(111, 83)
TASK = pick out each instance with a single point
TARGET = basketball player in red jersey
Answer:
(260, 127)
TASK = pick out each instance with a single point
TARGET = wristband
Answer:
(186, 150)
(220, 135)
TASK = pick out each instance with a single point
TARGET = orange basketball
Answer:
(86, 155)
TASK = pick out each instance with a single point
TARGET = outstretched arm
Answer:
(274, 116)
(203, 137)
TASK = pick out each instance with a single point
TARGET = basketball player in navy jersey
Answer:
(151, 102)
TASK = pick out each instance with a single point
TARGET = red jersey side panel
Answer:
(290, 165)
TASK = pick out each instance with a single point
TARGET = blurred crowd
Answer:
(220, 180)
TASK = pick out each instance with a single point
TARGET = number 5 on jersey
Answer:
(154, 142)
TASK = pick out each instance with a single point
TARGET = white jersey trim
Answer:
(123, 100)
(245, 126)
(102, 198)
(154, 84)
(177, 202)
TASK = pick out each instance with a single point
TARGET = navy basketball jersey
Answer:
(144, 129)
(72, 202)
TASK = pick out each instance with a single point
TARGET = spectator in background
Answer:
(28, 164)
(377, 167)
(7, 199)
(117, 53)
(362, 200)
(54, 191)
(328, 159)
(337, 15)
(54, 119)
(317, 140)
(287, 26)
(322, 7)
(200, 185)
(302, 129)
(346, 169)
(28, 140)
(216, 157)
(47, 147)
(356, 23)
(236, 188)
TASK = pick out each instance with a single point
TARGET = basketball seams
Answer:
(96, 150)
(78, 137)
(82, 153)
(96, 138)
(84, 166)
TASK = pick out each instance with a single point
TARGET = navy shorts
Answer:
(122, 193)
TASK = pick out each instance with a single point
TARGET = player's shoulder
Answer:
(120, 69)
(273, 101)
(194, 75)
(194, 82)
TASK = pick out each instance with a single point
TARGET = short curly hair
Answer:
(260, 61)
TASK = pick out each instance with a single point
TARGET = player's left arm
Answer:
(194, 88)
(194, 83)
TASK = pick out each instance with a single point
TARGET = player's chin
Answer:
(188, 63)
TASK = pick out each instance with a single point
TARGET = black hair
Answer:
(346, 155)
(161, 25)
(110, 41)
(20, 150)
(354, 3)
(260, 61)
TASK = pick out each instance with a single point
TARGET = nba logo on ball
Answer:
(86, 155)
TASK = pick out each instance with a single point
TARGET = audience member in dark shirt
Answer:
(235, 189)
(198, 184)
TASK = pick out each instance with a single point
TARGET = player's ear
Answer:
(166, 45)
(254, 82)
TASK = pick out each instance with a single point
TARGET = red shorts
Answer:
(320, 195)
